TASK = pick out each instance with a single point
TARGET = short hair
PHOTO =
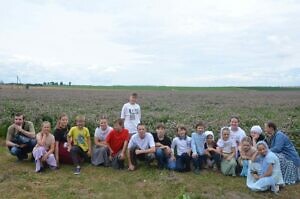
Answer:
(80, 117)
(181, 127)
(19, 114)
(235, 117)
(160, 125)
(134, 95)
(120, 122)
(272, 125)
(200, 123)
(103, 117)
(140, 124)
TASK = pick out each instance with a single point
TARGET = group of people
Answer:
(268, 160)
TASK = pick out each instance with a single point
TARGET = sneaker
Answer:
(77, 171)
(276, 189)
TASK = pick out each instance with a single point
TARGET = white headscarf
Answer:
(206, 133)
(256, 129)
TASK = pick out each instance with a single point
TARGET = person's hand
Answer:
(110, 157)
(194, 155)
(18, 128)
(44, 158)
(88, 153)
(69, 148)
(228, 158)
(122, 156)
(163, 147)
(22, 145)
(255, 136)
(131, 167)
(255, 176)
(138, 151)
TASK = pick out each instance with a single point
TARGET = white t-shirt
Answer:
(100, 134)
(227, 145)
(143, 144)
(182, 145)
(131, 113)
(238, 135)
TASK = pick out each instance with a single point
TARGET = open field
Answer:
(170, 106)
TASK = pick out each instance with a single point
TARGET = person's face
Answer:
(225, 135)
(181, 132)
(269, 131)
(261, 149)
(46, 128)
(117, 127)
(80, 123)
(142, 131)
(246, 146)
(160, 132)
(132, 100)
(254, 134)
(64, 121)
(19, 120)
(234, 123)
(200, 129)
(103, 124)
(209, 139)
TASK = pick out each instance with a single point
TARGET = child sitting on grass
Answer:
(43, 152)
(227, 148)
(183, 150)
(247, 152)
(213, 154)
(81, 148)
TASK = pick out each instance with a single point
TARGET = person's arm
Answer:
(98, 142)
(173, 149)
(123, 111)
(266, 174)
(145, 151)
(30, 133)
(130, 165)
(57, 152)
(232, 153)
(50, 151)
(140, 113)
(193, 144)
(69, 139)
(122, 155)
(278, 144)
(89, 152)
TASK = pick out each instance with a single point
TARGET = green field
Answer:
(170, 105)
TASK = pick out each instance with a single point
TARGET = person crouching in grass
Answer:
(43, 152)
(183, 150)
(117, 141)
(81, 148)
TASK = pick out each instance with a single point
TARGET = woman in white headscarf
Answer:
(264, 173)
(256, 134)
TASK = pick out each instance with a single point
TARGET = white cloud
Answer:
(205, 42)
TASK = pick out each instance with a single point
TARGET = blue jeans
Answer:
(162, 159)
(198, 161)
(183, 162)
(21, 153)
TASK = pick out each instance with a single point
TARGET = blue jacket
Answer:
(280, 143)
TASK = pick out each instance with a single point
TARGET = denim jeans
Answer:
(21, 153)
(183, 162)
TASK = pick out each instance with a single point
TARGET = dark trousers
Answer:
(183, 162)
(199, 161)
(77, 155)
(116, 162)
(148, 158)
(21, 153)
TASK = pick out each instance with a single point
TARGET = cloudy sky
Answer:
(151, 42)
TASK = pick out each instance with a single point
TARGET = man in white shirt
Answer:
(131, 114)
(141, 146)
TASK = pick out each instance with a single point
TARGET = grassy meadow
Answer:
(170, 105)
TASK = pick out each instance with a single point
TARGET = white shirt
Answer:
(238, 135)
(100, 134)
(227, 145)
(182, 145)
(145, 143)
(131, 113)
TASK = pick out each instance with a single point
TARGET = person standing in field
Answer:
(20, 137)
(198, 151)
(236, 132)
(163, 148)
(131, 114)
(100, 150)
(62, 155)
(79, 135)
(117, 141)
(43, 152)
(182, 143)
(141, 146)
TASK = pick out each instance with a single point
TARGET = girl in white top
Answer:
(131, 114)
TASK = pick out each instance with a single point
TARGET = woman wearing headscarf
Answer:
(264, 172)
(281, 145)
(256, 134)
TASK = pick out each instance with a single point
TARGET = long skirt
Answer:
(290, 172)
(262, 184)
(38, 153)
(64, 154)
(100, 156)
(228, 166)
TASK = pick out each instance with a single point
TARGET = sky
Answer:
(151, 42)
